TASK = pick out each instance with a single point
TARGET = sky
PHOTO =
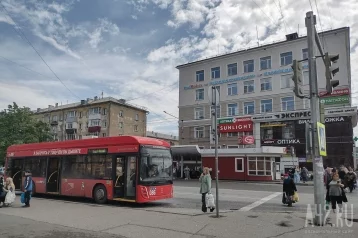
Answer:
(64, 51)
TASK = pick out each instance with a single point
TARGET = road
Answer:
(72, 217)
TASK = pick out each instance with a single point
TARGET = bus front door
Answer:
(53, 176)
(124, 177)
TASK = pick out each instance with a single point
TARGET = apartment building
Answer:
(257, 104)
(173, 140)
(97, 117)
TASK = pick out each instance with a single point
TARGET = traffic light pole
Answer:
(319, 191)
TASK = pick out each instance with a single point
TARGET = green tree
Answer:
(18, 127)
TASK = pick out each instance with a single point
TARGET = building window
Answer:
(232, 89)
(248, 66)
(70, 136)
(215, 73)
(81, 114)
(80, 126)
(307, 103)
(249, 86)
(95, 123)
(286, 58)
(266, 105)
(200, 76)
(239, 164)
(232, 69)
(71, 114)
(306, 78)
(199, 94)
(266, 84)
(199, 113)
(54, 118)
(286, 81)
(304, 54)
(288, 131)
(267, 133)
(232, 134)
(121, 113)
(249, 108)
(265, 63)
(61, 117)
(232, 109)
(104, 111)
(288, 103)
(69, 126)
(104, 135)
(136, 117)
(95, 110)
(121, 125)
(104, 124)
(260, 166)
(135, 128)
(198, 132)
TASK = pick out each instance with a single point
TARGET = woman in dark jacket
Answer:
(289, 188)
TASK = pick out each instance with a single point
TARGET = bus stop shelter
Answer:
(186, 155)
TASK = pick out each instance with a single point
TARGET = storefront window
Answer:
(267, 133)
(259, 166)
(288, 132)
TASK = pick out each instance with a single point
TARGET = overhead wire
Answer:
(23, 36)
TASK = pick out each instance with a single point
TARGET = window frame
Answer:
(197, 75)
(242, 165)
(266, 59)
(229, 87)
(230, 69)
(266, 159)
(246, 63)
(196, 130)
(294, 104)
(284, 58)
(249, 86)
(236, 111)
(214, 69)
(265, 108)
(289, 80)
(196, 94)
(195, 113)
(244, 108)
(303, 53)
(266, 90)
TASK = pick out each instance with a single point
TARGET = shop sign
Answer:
(338, 92)
(272, 124)
(281, 141)
(281, 71)
(335, 100)
(263, 117)
(246, 140)
(326, 120)
(194, 86)
(240, 126)
(293, 115)
(341, 111)
(233, 120)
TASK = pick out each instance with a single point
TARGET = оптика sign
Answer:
(335, 100)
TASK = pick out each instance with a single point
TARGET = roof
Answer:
(185, 150)
(96, 142)
(90, 102)
(256, 48)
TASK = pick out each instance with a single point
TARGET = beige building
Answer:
(98, 117)
(173, 140)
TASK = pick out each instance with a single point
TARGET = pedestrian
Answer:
(342, 173)
(336, 193)
(349, 179)
(205, 188)
(296, 175)
(2, 192)
(304, 174)
(187, 173)
(27, 188)
(289, 189)
(9, 188)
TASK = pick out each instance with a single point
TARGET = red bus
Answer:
(124, 168)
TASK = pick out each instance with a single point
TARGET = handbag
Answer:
(210, 201)
(344, 197)
(295, 197)
(22, 198)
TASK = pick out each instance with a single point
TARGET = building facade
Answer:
(257, 104)
(98, 117)
(173, 140)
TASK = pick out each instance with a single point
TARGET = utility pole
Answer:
(319, 191)
(214, 130)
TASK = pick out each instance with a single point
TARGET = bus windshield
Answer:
(156, 166)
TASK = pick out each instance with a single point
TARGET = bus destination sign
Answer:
(97, 151)
(58, 152)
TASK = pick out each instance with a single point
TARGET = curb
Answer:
(248, 182)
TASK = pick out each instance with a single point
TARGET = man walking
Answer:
(27, 188)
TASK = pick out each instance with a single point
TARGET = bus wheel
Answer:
(100, 194)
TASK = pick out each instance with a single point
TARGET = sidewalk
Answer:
(173, 222)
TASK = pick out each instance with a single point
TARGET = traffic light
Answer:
(331, 71)
(297, 78)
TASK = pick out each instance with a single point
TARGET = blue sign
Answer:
(273, 72)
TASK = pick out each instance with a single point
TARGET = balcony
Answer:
(54, 123)
(96, 116)
(71, 131)
(71, 119)
(93, 129)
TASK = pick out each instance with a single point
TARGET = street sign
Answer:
(321, 133)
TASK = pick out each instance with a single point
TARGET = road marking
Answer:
(259, 202)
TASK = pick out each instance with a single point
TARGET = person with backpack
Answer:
(289, 189)
(27, 188)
